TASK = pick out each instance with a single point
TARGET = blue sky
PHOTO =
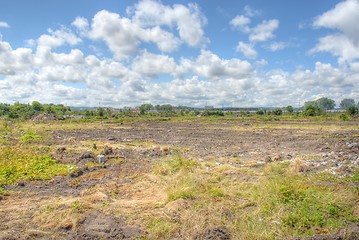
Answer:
(231, 53)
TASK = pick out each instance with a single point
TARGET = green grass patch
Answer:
(161, 229)
(300, 205)
(27, 163)
(183, 185)
(3, 140)
(31, 137)
(173, 164)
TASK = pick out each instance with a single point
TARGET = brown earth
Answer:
(74, 207)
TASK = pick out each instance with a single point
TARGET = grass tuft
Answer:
(161, 229)
(175, 163)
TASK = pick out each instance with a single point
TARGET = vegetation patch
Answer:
(31, 136)
(300, 206)
(175, 163)
(161, 228)
(27, 163)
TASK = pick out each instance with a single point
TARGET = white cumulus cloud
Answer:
(241, 22)
(276, 46)
(123, 36)
(81, 24)
(247, 50)
(4, 25)
(345, 43)
(261, 32)
(149, 64)
(14, 61)
(188, 20)
(211, 66)
(264, 31)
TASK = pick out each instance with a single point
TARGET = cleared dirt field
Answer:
(194, 179)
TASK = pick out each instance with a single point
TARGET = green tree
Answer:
(48, 108)
(323, 103)
(37, 106)
(277, 111)
(100, 112)
(4, 109)
(289, 109)
(326, 103)
(145, 108)
(20, 110)
(166, 108)
(108, 112)
(260, 112)
(311, 110)
(88, 113)
(352, 110)
(347, 102)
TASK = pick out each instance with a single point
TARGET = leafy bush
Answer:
(212, 113)
(260, 112)
(352, 110)
(289, 109)
(343, 117)
(311, 110)
(277, 111)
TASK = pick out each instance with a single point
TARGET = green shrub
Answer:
(260, 112)
(311, 110)
(352, 110)
(343, 117)
(277, 111)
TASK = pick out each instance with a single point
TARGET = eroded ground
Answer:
(133, 196)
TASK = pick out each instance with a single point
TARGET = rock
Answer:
(61, 149)
(352, 145)
(21, 184)
(87, 155)
(101, 158)
(277, 158)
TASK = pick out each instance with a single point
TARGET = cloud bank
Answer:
(141, 65)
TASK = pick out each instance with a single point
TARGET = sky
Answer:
(116, 53)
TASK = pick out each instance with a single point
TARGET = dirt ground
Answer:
(101, 202)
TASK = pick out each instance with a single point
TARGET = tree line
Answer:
(59, 111)
(27, 111)
(313, 108)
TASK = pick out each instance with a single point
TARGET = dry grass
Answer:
(182, 197)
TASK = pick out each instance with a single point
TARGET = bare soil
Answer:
(133, 149)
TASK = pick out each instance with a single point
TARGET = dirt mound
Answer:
(43, 117)
(97, 225)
